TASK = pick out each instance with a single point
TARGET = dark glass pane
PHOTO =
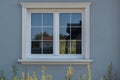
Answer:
(63, 34)
(47, 19)
(64, 47)
(36, 33)
(64, 19)
(36, 47)
(76, 25)
(76, 33)
(70, 33)
(76, 47)
(47, 47)
(48, 33)
(36, 19)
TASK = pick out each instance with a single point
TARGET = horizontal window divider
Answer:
(70, 40)
(42, 40)
(69, 26)
(42, 26)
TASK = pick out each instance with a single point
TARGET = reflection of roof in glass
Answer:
(75, 24)
(74, 27)
(47, 38)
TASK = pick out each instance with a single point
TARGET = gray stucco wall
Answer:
(105, 39)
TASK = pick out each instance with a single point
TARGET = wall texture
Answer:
(105, 39)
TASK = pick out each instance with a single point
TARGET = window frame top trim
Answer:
(55, 4)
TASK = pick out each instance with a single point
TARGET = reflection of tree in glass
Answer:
(73, 47)
(39, 36)
(62, 36)
(46, 34)
(63, 47)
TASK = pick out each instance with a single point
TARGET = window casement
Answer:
(55, 33)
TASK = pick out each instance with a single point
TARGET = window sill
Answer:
(54, 61)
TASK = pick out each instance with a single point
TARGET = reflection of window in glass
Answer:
(70, 33)
(42, 33)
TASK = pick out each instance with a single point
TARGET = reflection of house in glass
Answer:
(44, 46)
(47, 45)
(75, 35)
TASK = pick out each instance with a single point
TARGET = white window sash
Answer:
(56, 34)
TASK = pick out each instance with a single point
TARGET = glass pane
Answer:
(65, 47)
(70, 33)
(36, 19)
(76, 18)
(36, 33)
(73, 47)
(47, 19)
(76, 47)
(36, 47)
(64, 19)
(63, 34)
(47, 47)
(47, 33)
(76, 25)
(76, 33)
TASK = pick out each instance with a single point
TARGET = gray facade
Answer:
(105, 39)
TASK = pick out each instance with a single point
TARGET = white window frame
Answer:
(37, 7)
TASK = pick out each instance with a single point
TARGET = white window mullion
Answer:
(28, 34)
(56, 33)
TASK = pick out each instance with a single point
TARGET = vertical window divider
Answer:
(56, 33)
(42, 35)
(70, 34)
(83, 32)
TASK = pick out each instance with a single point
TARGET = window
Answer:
(52, 33)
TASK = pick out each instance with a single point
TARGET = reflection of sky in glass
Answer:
(42, 19)
(35, 31)
(67, 18)
(63, 31)
(64, 19)
(76, 18)
(36, 19)
(48, 19)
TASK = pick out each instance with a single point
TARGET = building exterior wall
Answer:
(105, 38)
